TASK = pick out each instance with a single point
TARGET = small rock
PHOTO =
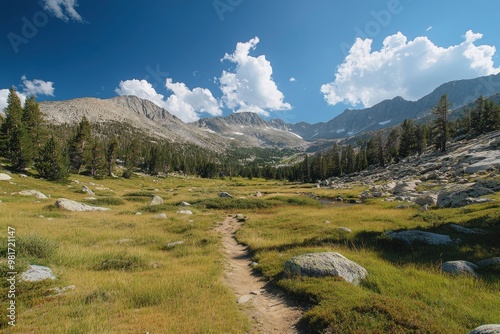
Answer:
(161, 216)
(428, 200)
(90, 198)
(69, 205)
(176, 243)
(37, 273)
(487, 329)
(245, 299)
(23, 175)
(138, 213)
(124, 241)
(254, 264)
(35, 193)
(185, 204)
(459, 268)
(60, 291)
(344, 229)
(156, 200)
(185, 212)
(258, 194)
(5, 177)
(225, 195)
(87, 190)
(240, 218)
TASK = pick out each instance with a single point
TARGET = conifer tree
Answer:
(441, 126)
(111, 155)
(51, 163)
(98, 163)
(408, 142)
(80, 147)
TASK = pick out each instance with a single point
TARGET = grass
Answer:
(127, 280)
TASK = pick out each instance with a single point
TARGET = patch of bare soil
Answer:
(269, 311)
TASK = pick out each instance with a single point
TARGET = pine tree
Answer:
(441, 127)
(394, 144)
(408, 143)
(80, 147)
(98, 163)
(34, 123)
(13, 135)
(52, 163)
(421, 134)
(111, 155)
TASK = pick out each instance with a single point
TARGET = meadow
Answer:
(128, 279)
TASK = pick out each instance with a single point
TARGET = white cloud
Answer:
(68, 12)
(37, 87)
(184, 103)
(250, 87)
(410, 69)
(292, 79)
(4, 94)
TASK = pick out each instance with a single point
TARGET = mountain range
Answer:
(251, 130)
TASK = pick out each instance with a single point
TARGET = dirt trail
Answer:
(270, 312)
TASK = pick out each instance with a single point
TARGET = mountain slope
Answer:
(392, 112)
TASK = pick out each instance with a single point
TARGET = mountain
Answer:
(389, 113)
(142, 114)
(249, 129)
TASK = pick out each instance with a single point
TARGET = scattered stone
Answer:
(326, 264)
(176, 243)
(69, 205)
(37, 273)
(23, 175)
(258, 194)
(185, 212)
(161, 216)
(59, 291)
(185, 204)
(428, 200)
(413, 236)
(35, 193)
(463, 195)
(460, 268)
(156, 200)
(245, 299)
(87, 190)
(487, 329)
(344, 229)
(5, 177)
(90, 198)
(465, 230)
(240, 218)
(138, 213)
(225, 195)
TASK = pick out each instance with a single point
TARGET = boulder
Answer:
(426, 200)
(404, 187)
(225, 195)
(185, 212)
(37, 194)
(413, 236)
(487, 329)
(5, 177)
(69, 205)
(87, 190)
(459, 268)
(461, 196)
(37, 273)
(156, 200)
(161, 216)
(326, 264)
(465, 230)
(490, 264)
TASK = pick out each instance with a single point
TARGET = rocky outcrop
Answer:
(487, 329)
(70, 205)
(492, 264)
(326, 264)
(462, 195)
(35, 193)
(87, 190)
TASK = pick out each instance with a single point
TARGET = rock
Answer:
(326, 264)
(460, 268)
(59, 291)
(492, 264)
(240, 218)
(487, 329)
(245, 299)
(69, 205)
(344, 229)
(258, 194)
(461, 196)
(176, 243)
(138, 213)
(35, 193)
(465, 230)
(185, 204)
(185, 212)
(161, 216)
(429, 200)
(37, 273)
(225, 195)
(87, 190)
(413, 236)
(402, 207)
(5, 177)
(156, 200)
(405, 187)
(90, 198)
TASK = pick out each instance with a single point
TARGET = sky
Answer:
(291, 59)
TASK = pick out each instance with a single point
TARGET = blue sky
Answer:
(291, 59)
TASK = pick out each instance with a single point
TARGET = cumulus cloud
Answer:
(63, 9)
(184, 103)
(4, 94)
(251, 86)
(37, 87)
(292, 79)
(410, 69)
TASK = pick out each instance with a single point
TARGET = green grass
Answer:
(128, 281)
